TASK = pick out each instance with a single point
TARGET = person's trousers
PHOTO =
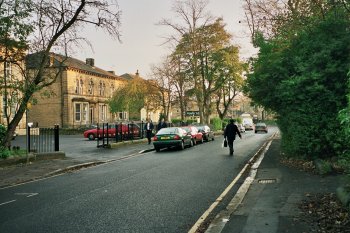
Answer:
(230, 145)
(149, 135)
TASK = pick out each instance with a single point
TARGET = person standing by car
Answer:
(161, 124)
(230, 134)
(149, 128)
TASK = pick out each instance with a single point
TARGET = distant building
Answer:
(152, 109)
(79, 96)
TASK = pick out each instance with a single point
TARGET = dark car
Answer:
(208, 135)
(196, 135)
(124, 129)
(261, 127)
(172, 137)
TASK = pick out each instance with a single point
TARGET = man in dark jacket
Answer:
(162, 124)
(230, 134)
(149, 128)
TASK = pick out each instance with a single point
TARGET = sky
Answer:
(142, 39)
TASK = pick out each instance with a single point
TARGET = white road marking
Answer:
(27, 194)
(4, 203)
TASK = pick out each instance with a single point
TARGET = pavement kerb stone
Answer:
(124, 143)
(74, 167)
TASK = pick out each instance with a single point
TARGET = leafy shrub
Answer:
(216, 123)
(324, 167)
(4, 152)
(2, 132)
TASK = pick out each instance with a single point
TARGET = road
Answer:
(166, 191)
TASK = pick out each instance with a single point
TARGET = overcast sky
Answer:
(142, 38)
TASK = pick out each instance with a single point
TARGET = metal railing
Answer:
(42, 139)
(117, 132)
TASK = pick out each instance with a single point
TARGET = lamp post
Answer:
(29, 105)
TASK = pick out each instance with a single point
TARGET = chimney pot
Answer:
(90, 61)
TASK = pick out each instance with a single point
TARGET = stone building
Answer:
(78, 97)
(11, 76)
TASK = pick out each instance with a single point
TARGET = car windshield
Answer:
(168, 131)
(187, 129)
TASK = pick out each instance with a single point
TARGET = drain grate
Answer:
(267, 181)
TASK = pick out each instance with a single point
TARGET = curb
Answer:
(74, 167)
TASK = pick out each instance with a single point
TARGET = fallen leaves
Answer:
(325, 214)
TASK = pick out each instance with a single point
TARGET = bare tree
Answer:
(56, 29)
(164, 76)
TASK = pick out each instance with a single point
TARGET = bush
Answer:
(4, 152)
(2, 132)
(216, 123)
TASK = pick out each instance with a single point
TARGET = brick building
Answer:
(79, 96)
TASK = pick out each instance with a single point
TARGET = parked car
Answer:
(206, 131)
(172, 137)
(241, 128)
(261, 126)
(248, 126)
(93, 133)
(196, 135)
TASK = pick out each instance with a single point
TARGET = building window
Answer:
(100, 88)
(78, 112)
(76, 86)
(122, 115)
(91, 87)
(8, 70)
(81, 84)
(103, 112)
(81, 112)
(112, 90)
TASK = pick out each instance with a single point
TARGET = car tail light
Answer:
(155, 138)
(176, 137)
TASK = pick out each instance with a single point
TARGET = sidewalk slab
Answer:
(271, 204)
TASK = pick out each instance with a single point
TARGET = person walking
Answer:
(149, 128)
(162, 124)
(230, 134)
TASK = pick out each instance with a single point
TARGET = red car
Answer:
(195, 134)
(134, 129)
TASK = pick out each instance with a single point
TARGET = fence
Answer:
(118, 132)
(42, 139)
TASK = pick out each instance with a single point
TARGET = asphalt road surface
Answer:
(166, 191)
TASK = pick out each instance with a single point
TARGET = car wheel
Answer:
(213, 138)
(256, 131)
(191, 143)
(91, 137)
(157, 149)
(182, 146)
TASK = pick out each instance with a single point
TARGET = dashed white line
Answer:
(4, 203)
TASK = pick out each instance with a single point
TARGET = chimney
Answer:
(111, 71)
(137, 72)
(90, 61)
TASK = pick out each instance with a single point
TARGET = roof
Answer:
(129, 76)
(69, 62)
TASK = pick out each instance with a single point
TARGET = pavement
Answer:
(269, 205)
